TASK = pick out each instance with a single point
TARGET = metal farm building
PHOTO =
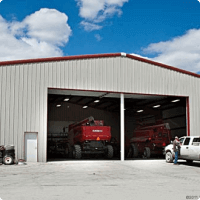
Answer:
(41, 97)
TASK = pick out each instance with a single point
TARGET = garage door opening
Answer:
(151, 123)
(71, 114)
(163, 117)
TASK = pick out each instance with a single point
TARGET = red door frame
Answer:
(188, 116)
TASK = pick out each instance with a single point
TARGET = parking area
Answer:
(133, 179)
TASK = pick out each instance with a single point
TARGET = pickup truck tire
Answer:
(77, 151)
(147, 152)
(134, 150)
(109, 152)
(168, 157)
(189, 161)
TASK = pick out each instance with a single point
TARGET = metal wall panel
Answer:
(19, 118)
(15, 103)
(13, 81)
(3, 101)
(7, 105)
(24, 87)
(68, 74)
(62, 74)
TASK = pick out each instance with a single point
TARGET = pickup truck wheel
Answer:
(189, 161)
(110, 151)
(77, 151)
(147, 152)
(134, 150)
(168, 157)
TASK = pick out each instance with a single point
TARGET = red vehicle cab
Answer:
(90, 136)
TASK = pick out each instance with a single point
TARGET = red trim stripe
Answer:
(188, 116)
(162, 65)
(15, 62)
(104, 91)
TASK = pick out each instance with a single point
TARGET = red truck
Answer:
(90, 137)
(149, 140)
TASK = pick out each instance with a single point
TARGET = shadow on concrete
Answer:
(193, 164)
(82, 159)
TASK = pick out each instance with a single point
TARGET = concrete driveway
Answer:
(95, 180)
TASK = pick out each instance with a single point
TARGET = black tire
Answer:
(68, 151)
(147, 152)
(77, 151)
(169, 157)
(109, 151)
(9, 152)
(189, 161)
(134, 150)
(8, 160)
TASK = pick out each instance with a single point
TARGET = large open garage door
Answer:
(151, 122)
(83, 125)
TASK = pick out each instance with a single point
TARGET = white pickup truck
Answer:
(189, 149)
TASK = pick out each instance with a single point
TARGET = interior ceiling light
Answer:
(140, 111)
(176, 100)
(96, 101)
(157, 106)
(67, 99)
(58, 105)
(85, 106)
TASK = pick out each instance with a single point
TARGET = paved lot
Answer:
(94, 180)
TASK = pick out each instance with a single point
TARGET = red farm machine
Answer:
(149, 140)
(89, 137)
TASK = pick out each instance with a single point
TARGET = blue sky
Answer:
(164, 31)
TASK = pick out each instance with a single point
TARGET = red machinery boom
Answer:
(87, 120)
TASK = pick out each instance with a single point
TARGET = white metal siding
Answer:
(23, 91)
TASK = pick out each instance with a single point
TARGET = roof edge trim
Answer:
(162, 65)
(54, 59)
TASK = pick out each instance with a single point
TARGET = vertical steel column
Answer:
(122, 125)
(187, 116)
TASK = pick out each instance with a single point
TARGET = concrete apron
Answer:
(95, 180)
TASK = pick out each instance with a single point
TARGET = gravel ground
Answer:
(132, 179)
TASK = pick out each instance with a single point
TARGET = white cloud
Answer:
(40, 34)
(98, 37)
(182, 52)
(90, 8)
(1, 1)
(90, 26)
(97, 11)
